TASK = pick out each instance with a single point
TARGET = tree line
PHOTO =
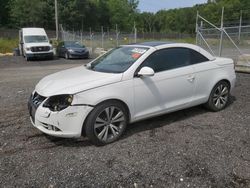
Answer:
(84, 14)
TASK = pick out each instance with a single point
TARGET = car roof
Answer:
(33, 31)
(162, 45)
(154, 43)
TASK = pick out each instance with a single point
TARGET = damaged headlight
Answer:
(58, 102)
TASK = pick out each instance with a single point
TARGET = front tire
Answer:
(219, 96)
(106, 123)
(66, 55)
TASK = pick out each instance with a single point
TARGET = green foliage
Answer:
(27, 13)
(83, 14)
(4, 12)
(7, 45)
(73, 14)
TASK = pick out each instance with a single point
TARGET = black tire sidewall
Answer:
(66, 55)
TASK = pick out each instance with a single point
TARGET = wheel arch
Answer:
(107, 100)
(225, 80)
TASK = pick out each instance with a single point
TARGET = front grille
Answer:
(40, 49)
(80, 51)
(50, 127)
(34, 102)
(37, 99)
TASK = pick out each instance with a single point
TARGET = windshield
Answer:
(117, 60)
(73, 45)
(35, 38)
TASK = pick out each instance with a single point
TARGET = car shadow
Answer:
(69, 142)
(163, 120)
(167, 119)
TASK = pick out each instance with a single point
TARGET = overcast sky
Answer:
(155, 5)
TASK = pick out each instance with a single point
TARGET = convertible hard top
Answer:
(153, 43)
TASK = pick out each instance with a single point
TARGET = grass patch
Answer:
(7, 45)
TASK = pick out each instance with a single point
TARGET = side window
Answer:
(167, 59)
(196, 57)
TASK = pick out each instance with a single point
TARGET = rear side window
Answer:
(167, 59)
(196, 57)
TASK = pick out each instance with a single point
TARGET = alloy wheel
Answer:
(220, 96)
(109, 124)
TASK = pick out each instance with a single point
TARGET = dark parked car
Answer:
(72, 49)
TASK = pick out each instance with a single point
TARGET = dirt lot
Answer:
(189, 148)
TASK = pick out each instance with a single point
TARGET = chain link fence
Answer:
(99, 41)
(105, 40)
(230, 40)
(213, 37)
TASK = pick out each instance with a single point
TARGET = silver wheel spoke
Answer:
(215, 95)
(106, 133)
(100, 135)
(220, 88)
(104, 128)
(111, 112)
(100, 120)
(224, 91)
(217, 104)
(97, 125)
(107, 114)
(215, 98)
(118, 115)
(223, 100)
(114, 127)
(113, 131)
(118, 120)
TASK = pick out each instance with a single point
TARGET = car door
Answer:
(204, 70)
(170, 88)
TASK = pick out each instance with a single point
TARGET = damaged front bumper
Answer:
(67, 123)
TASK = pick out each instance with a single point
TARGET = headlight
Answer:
(27, 48)
(58, 102)
(51, 48)
(70, 50)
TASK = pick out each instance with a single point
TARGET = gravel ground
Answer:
(189, 148)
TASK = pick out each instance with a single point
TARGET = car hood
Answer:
(73, 48)
(37, 44)
(74, 80)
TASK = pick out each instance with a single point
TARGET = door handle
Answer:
(191, 78)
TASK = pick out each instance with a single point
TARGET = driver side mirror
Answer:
(146, 72)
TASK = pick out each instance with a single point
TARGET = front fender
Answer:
(122, 91)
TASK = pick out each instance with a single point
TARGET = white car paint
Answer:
(74, 80)
(145, 97)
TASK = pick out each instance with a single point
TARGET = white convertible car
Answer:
(128, 84)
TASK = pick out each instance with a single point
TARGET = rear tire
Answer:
(66, 55)
(219, 97)
(106, 123)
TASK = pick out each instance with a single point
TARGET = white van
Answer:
(34, 42)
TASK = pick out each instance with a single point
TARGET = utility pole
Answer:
(197, 27)
(56, 18)
(222, 31)
(117, 34)
(135, 34)
(102, 35)
(239, 37)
